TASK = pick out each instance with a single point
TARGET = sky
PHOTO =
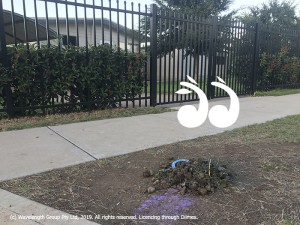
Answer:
(29, 5)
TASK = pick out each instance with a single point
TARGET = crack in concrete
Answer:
(81, 149)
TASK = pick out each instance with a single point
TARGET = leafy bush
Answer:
(75, 78)
(278, 70)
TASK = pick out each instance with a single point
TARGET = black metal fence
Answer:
(57, 24)
(173, 45)
(279, 53)
(202, 48)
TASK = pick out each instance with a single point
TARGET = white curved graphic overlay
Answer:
(189, 116)
(221, 117)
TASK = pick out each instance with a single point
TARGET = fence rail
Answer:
(168, 45)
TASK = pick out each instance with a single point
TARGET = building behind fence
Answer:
(172, 46)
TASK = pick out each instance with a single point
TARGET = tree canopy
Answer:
(274, 13)
(201, 7)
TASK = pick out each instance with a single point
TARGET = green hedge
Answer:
(80, 78)
(278, 70)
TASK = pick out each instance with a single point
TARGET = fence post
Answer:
(212, 57)
(4, 56)
(153, 55)
(298, 46)
(255, 60)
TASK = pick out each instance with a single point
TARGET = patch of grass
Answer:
(269, 166)
(277, 92)
(287, 222)
(279, 130)
(58, 119)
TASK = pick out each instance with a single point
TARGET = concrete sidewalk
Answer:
(14, 208)
(36, 150)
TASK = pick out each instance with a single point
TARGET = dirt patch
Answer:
(196, 176)
(265, 189)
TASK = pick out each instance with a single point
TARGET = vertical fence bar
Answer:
(59, 48)
(153, 55)
(57, 26)
(146, 64)
(212, 58)
(38, 46)
(238, 58)
(86, 61)
(234, 58)
(255, 59)
(160, 58)
(165, 56)
(273, 50)
(86, 27)
(174, 55)
(198, 43)
(110, 25)
(118, 41)
(125, 37)
(36, 25)
(201, 49)
(169, 54)
(223, 56)
(94, 25)
(25, 24)
(76, 24)
(139, 47)
(48, 45)
(232, 51)
(177, 33)
(244, 41)
(246, 58)
(190, 46)
(186, 43)
(132, 45)
(67, 23)
(132, 27)
(13, 22)
(4, 56)
(118, 25)
(102, 22)
(206, 64)
(251, 36)
(182, 51)
(218, 51)
(298, 44)
(195, 53)
(228, 54)
(125, 25)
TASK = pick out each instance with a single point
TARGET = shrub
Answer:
(278, 70)
(79, 78)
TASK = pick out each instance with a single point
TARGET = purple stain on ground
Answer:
(170, 203)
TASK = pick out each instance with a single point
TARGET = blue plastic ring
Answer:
(177, 161)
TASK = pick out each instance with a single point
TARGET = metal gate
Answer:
(202, 48)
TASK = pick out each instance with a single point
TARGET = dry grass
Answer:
(58, 119)
(278, 92)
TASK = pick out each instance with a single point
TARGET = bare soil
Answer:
(265, 188)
